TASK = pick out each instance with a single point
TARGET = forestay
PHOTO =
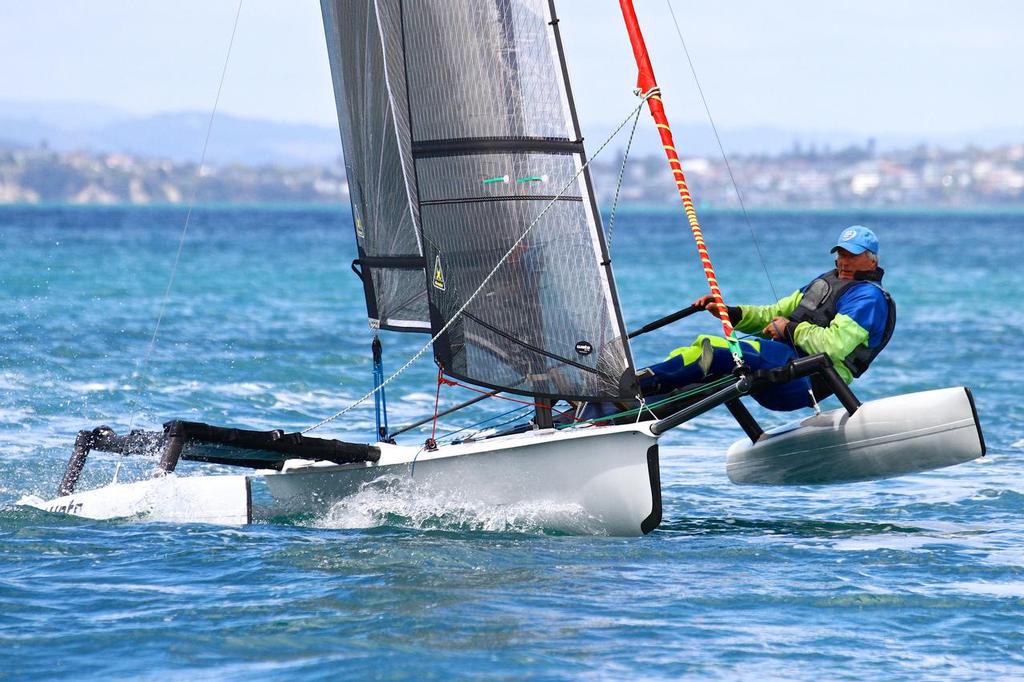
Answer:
(471, 121)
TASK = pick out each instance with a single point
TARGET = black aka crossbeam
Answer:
(198, 442)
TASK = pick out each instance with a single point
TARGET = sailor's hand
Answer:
(707, 302)
(776, 329)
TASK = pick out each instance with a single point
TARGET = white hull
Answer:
(609, 475)
(894, 436)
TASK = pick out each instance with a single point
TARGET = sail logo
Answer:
(438, 274)
(360, 231)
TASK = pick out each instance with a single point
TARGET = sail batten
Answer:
(489, 145)
(486, 146)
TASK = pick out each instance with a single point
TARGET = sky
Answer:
(864, 66)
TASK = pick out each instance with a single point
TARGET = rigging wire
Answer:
(518, 413)
(721, 148)
(722, 381)
(498, 396)
(511, 250)
(192, 198)
(141, 367)
(618, 186)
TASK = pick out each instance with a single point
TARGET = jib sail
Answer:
(479, 92)
(375, 137)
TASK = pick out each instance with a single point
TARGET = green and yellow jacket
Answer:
(849, 320)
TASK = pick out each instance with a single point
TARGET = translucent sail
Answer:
(378, 162)
(481, 103)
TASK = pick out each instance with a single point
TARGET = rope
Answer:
(512, 249)
(191, 205)
(431, 443)
(653, 95)
(520, 412)
(141, 367)
(814, 401)
(450, 382)
(721, 148)
(643, 406)
(649, 407)
(646, 83)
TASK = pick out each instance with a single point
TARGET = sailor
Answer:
(844, 313)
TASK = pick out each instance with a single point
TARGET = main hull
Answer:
(609, 475)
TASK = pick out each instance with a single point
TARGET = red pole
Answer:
(645, 83)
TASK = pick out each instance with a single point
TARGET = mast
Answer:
(646, 83)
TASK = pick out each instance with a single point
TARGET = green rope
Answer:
(664, 401)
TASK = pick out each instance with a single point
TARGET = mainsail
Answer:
(463, 111)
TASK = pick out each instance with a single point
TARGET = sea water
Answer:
(264, 327)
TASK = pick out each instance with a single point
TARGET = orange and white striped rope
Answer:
(648, 88)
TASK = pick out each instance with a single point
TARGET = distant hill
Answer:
(179, 136)
(62, 115)
(70, 126)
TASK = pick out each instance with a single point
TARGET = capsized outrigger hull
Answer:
(601, 480)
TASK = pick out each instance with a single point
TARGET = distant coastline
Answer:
(630, 209)
(854, 178)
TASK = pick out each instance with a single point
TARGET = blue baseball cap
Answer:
(857, 239)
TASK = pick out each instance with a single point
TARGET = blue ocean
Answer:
(915, 578)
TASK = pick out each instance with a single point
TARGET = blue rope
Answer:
(383, 402)
(380, 401)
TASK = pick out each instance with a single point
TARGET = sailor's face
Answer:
(849, 264)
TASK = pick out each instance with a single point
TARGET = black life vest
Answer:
(818, 306)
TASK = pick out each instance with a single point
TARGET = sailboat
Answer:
(476, 226)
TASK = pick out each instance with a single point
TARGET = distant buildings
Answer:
(855, 177)
(43, 176)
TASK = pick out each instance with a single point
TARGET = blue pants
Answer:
(684, 368)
